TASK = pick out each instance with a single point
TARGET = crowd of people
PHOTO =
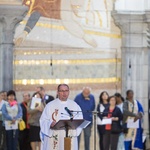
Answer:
(11, 112)
(119, 120)
(124, 113)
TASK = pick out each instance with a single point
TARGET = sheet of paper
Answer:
(99, 121)
(106, 121)
(10, 126)
(132, 124)
(143, 138)
(35, 102)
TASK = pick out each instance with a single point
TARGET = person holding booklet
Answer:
(45, 97)
(35, 110)
(12, 113)
(59, 109)
(132, 119)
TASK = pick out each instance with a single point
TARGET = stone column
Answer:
(147, 16)
(10, 16)
(134, 56)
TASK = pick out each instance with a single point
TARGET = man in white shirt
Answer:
(55, 111)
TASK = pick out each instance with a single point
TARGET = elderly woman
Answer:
(12, 113)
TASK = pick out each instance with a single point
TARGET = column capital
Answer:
(10, 16)
(129, 22)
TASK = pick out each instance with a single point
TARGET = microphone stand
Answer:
(94, 118)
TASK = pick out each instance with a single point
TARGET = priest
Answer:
(59, 109)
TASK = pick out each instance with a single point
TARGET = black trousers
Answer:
(100, 130)
(2, 137)
(24, 143)
(110, 141)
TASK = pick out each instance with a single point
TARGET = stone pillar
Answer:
(134, 56)
(147, 16)
(10, 16)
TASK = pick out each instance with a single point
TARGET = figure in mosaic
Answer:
(66, 10)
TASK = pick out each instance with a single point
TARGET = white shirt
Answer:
(55, 110)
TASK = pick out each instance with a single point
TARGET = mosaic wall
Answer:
(46, 68)
(75, 42)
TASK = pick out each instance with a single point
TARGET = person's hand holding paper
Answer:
(106, 121)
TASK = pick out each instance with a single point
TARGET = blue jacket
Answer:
(87, 106)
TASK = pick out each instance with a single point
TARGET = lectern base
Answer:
(67, 143)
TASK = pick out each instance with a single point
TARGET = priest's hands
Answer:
(52, 124)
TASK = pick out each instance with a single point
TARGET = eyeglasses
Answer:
(63, 91)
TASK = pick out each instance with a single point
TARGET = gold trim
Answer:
(46, 51)
(88, 9)
(88, 5)
(67, 81)
(31, 7)
(100, 18)
(103, 34)
(28, 28)
(59, 27)
(65, 62)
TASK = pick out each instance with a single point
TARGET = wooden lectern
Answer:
(66, 125)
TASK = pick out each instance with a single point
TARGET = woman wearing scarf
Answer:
(132, 110)
(12, 113)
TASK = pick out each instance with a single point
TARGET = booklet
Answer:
(35, 102)
(10, 126)
(132, 124)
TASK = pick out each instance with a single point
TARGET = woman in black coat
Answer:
(110, 137)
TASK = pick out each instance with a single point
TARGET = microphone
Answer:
(69, 112)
